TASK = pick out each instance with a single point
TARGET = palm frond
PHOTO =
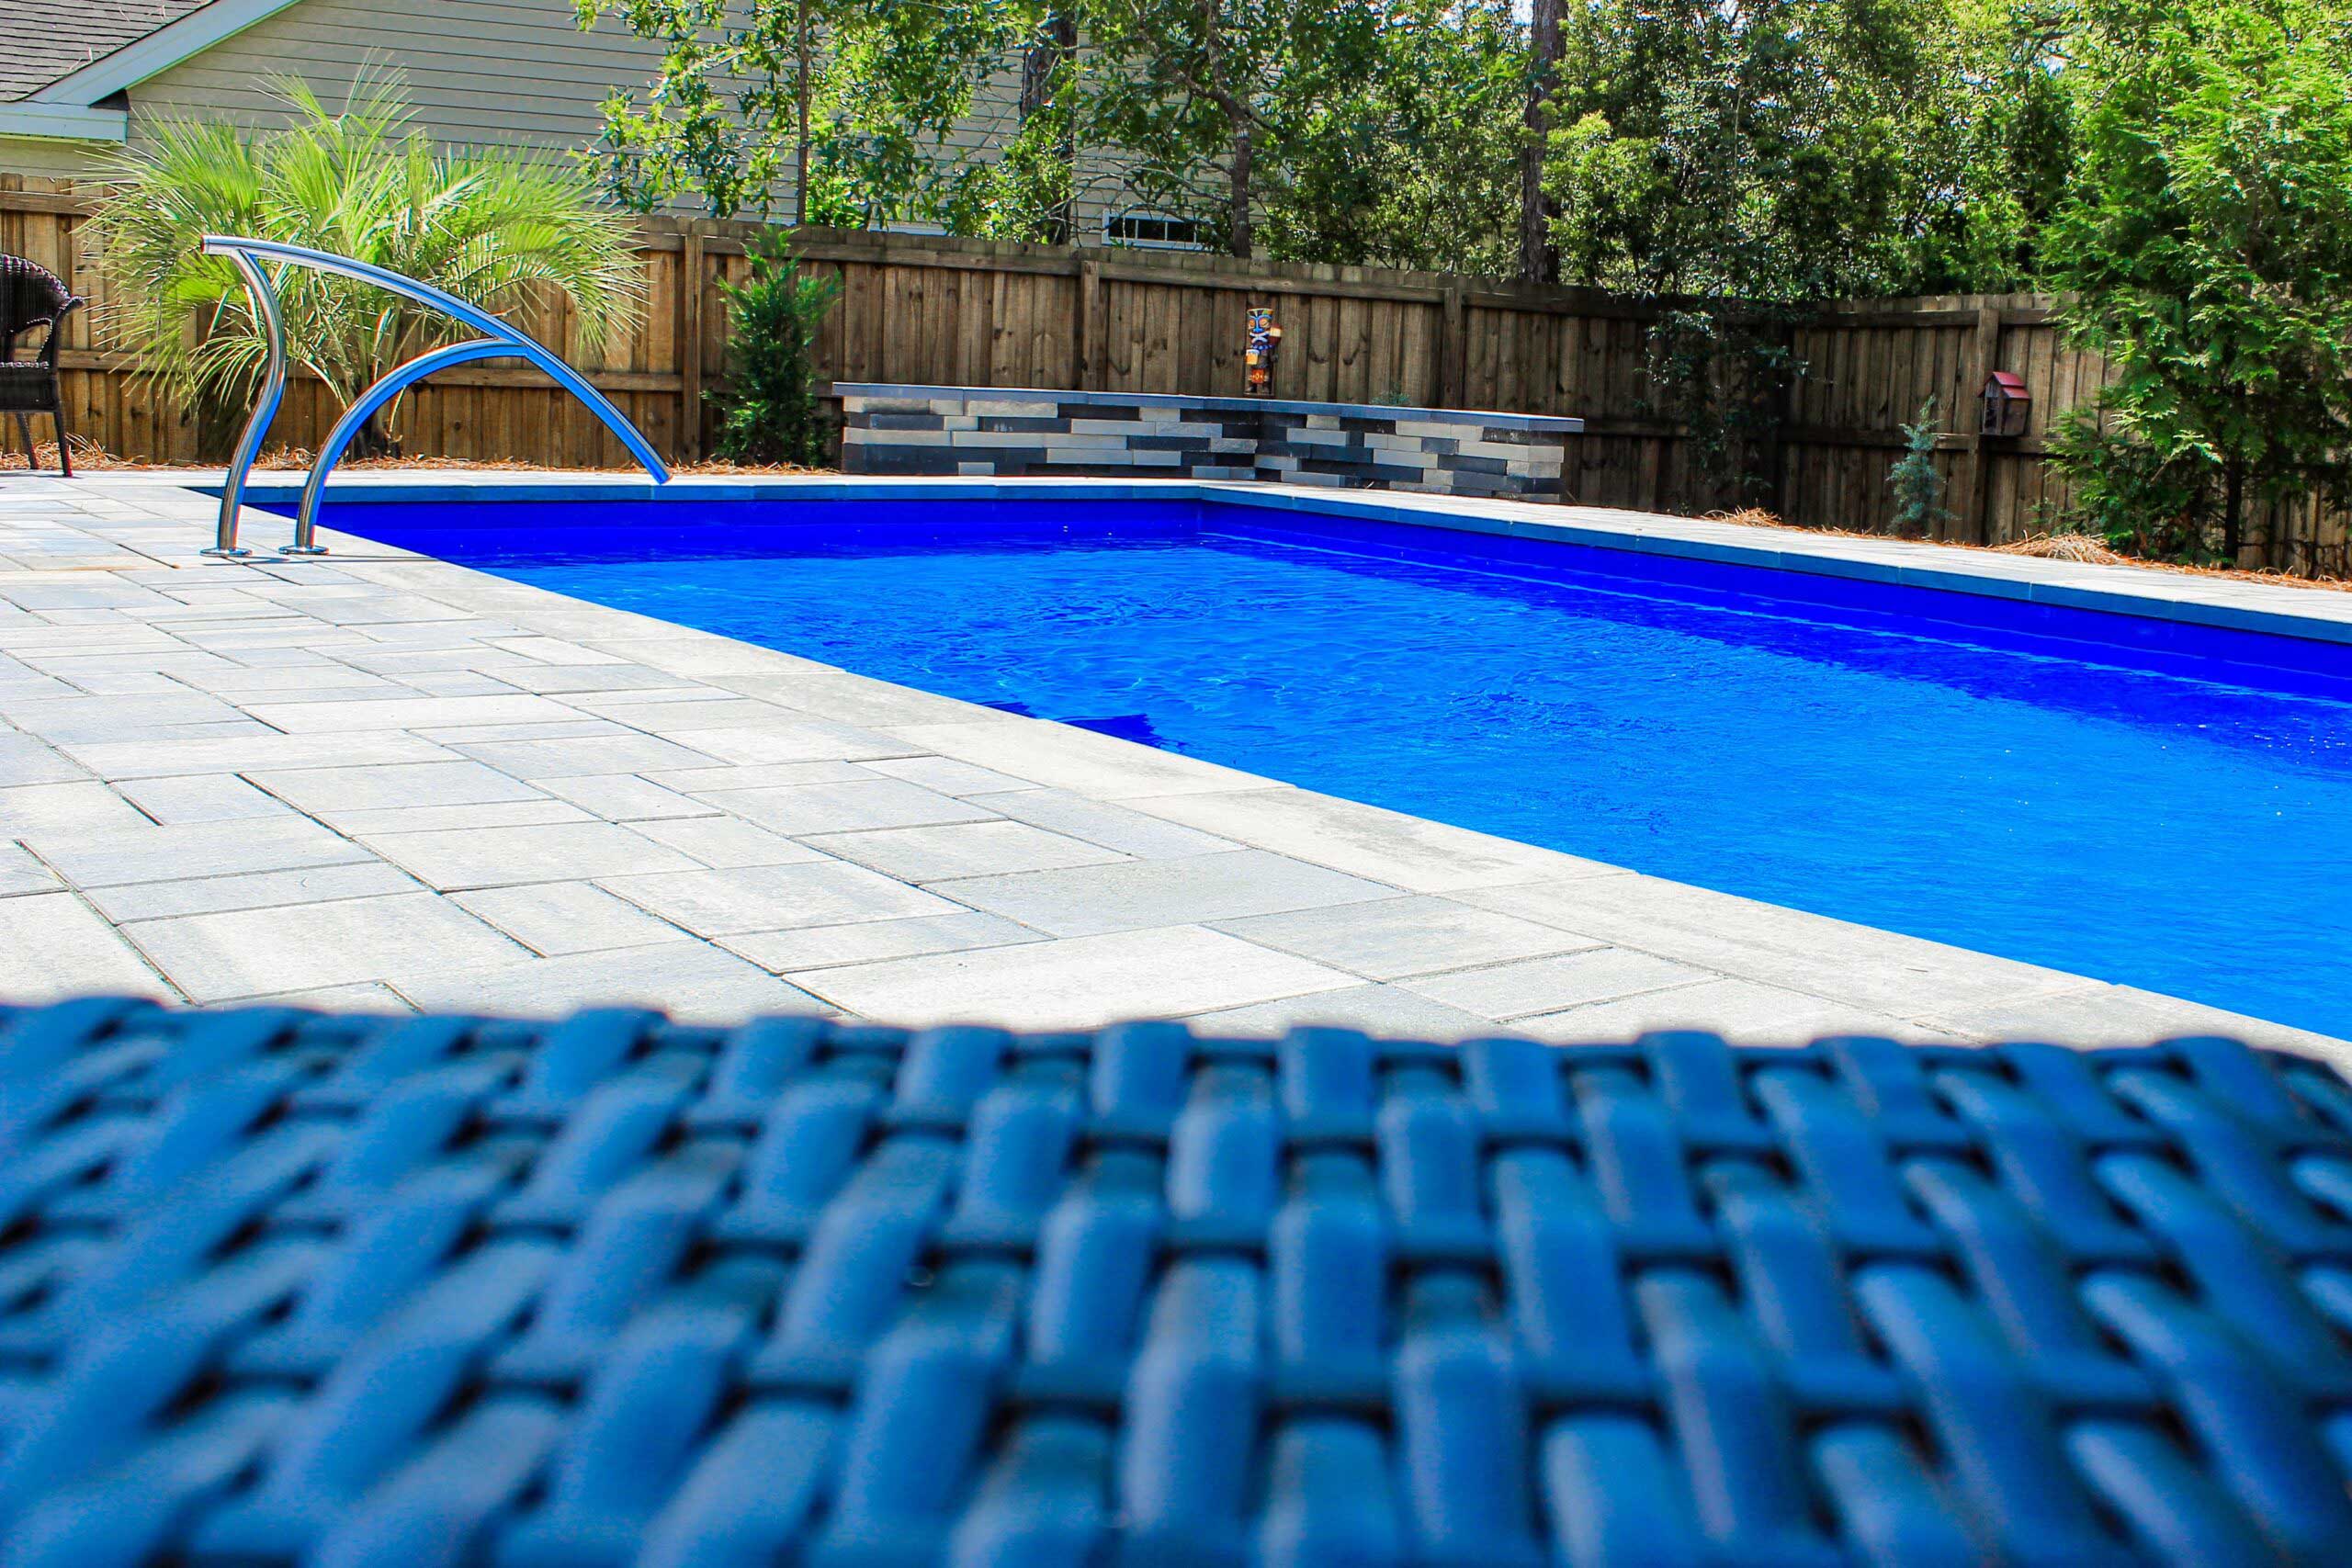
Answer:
(507, 231)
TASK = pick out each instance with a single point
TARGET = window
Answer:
(1152, 231)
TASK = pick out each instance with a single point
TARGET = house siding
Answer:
(479, 74)
(42, 159)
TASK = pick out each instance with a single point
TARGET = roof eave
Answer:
(63, 122)
(156, 52)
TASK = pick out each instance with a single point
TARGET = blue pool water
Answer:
(2163, 806)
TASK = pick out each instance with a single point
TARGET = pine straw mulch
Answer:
(2047, 546)
(90, 457)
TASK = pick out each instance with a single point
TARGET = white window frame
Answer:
(1113, 221)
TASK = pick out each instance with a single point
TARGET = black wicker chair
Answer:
(31, 296)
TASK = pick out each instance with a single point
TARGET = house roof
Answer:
(49, 40)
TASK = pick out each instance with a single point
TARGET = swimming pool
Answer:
(2162, 805)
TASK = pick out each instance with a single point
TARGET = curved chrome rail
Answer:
(502, 342)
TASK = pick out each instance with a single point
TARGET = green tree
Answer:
(2208, 240)
(848, 105)
(499, 230)
(770, 412)
(1766, 149)
(1207, 106)
(1736, 159)
(1917, 483)
(1411, 164)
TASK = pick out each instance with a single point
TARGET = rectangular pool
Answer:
(2163, 805)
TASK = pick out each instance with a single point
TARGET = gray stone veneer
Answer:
(985, 431)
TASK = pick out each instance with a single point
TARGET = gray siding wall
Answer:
(481, 73)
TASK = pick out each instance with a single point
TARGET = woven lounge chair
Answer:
(33, 295)
(282, 1287)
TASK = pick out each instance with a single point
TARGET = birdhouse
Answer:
(2006, 403)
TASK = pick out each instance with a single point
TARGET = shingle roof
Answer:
(44, 40)
(280, 1287)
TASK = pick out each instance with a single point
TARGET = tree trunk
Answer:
(1040, 66)
(371, 440)
(2232, 509)
(1237, 224)
(800, 149)
(1538, 262)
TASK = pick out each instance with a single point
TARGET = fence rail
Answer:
(985, 314)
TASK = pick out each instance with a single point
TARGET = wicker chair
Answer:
(31, 296)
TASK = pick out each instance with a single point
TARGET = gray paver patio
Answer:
(558, 918)
(377, 780)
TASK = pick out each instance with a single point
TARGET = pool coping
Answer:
(2313, 614)
(1747, 968)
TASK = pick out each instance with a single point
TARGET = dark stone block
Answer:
(1168, 442)
(870, 459)
(1369, 427)
(1384, 473)
(1098, 471)
(1456, 463)
(1002, 457)
(1100, 411)
(906, 422)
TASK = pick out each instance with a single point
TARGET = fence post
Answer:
(690, 286)
(1452, 351)
(1087, 348)
(1787, 416)
(1976, 474)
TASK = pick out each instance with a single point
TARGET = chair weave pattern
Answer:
(280, 1287)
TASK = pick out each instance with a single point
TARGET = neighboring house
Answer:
(84, 75)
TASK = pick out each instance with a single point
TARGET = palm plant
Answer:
(499, 229)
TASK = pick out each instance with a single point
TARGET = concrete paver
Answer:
(801, 810)
(393, 786)
(821, 947)
(249, 890)
(488, 857)
(1136, 895)
(252, 953)
(198, 849)
(1405, 936)
(961, 850)
(694, 982)
(21, 872)
(1532, 985)
(55, 945)
(1078, 983)
(556, 919)
(776, 898)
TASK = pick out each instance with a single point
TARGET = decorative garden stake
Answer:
(1265, 338)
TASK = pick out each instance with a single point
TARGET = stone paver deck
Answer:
(383, 781)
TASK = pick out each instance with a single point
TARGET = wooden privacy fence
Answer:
(975, 312)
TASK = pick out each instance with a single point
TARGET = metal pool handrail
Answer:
(503, 342)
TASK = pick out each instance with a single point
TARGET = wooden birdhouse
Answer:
(2006, 403)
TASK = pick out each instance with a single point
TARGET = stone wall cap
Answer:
(1553, 424)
